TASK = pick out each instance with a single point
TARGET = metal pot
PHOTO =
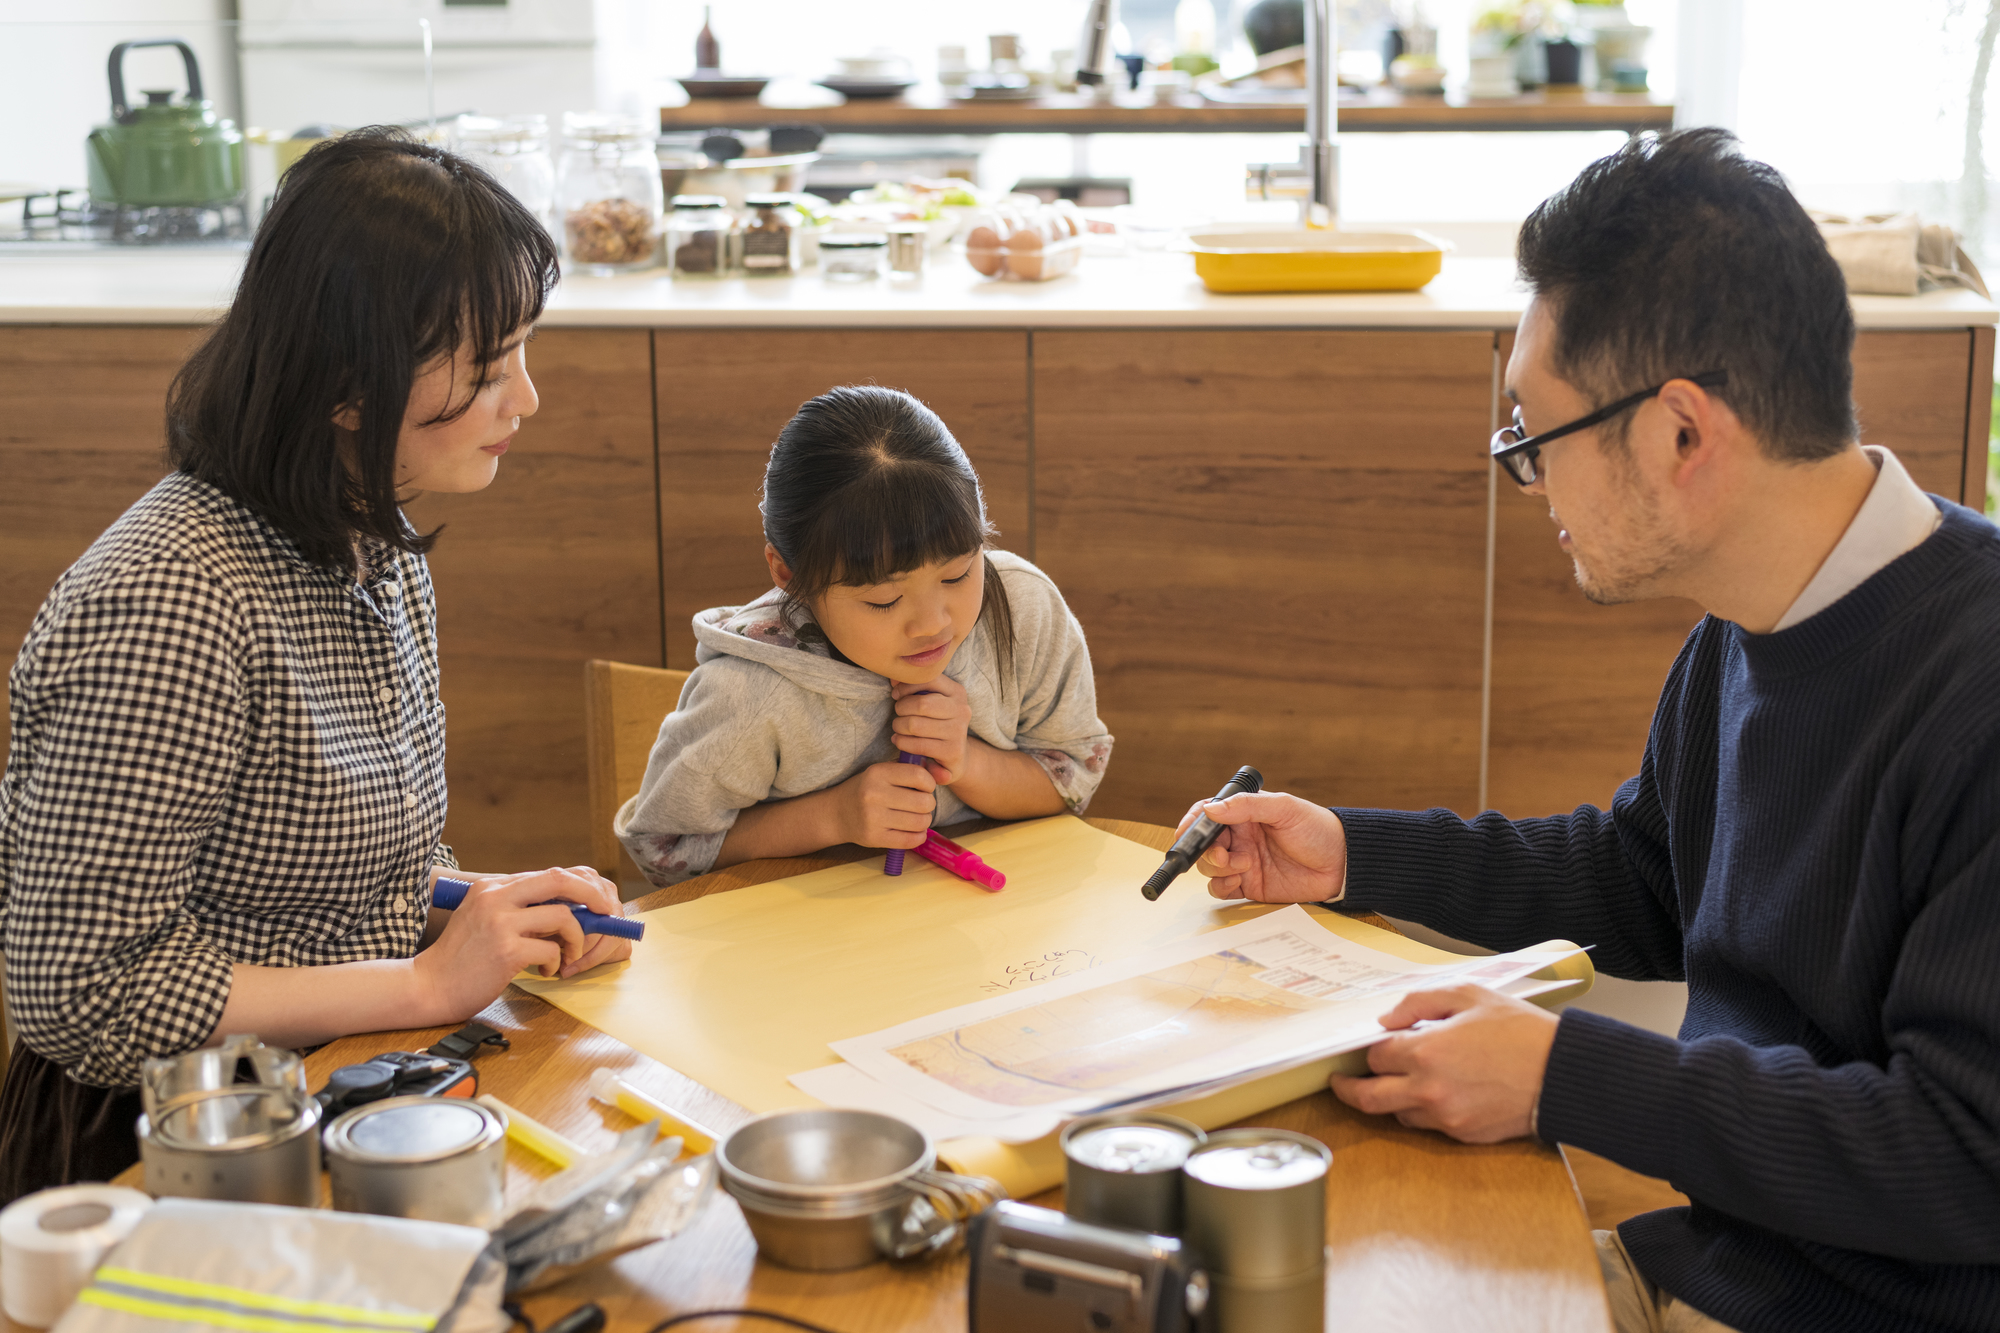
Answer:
(815, 1184)
(232, 1122)
(164, 154)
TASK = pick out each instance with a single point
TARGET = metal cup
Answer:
(1125, 1170)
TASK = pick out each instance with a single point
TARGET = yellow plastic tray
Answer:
(1315, 261)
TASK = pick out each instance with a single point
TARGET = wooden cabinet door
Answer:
(84, 435)
(724, 394)
(555, 563)
(1574, 685)
(1276, 543)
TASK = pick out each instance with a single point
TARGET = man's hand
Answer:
(1465, 1060)
(1275, 849)
(931, 720)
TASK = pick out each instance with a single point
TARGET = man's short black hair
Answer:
(1678, 255)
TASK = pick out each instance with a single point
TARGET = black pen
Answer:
(1200, 835)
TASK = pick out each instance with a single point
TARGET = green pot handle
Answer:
(122, 113)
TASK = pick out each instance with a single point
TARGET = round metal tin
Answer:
(442, 1159)
(1125, 1170)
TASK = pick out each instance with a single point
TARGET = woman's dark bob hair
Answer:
(379, 256)
(866, 483)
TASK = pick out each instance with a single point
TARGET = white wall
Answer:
(55, 88)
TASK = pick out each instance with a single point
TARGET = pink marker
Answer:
(940, 850)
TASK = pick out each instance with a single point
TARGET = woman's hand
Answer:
(886, 805)
(1273, 848)
(931, 720)
(508, 923)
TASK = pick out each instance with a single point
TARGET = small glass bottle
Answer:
(699, 234)
(770, 240)
(513, 150)
(608, 192)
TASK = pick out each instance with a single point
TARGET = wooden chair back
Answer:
(623, 705)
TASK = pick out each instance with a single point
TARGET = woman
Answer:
(225, 788)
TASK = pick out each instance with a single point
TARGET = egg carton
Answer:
(1025, 244)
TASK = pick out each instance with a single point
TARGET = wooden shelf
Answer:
(928, 111)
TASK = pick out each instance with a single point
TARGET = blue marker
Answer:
(449, 893)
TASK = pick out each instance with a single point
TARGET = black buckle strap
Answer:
(465, 1043)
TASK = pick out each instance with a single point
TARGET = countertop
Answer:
(1136, 290)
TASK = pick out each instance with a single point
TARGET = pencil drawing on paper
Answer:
(1053, 964)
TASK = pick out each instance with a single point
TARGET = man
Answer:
(1813, 839)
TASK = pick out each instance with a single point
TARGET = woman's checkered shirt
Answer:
(221, 754)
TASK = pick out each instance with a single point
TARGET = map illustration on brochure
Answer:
(1211, 1009)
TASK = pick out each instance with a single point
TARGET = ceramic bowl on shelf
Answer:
(864, 86)
(708, 83)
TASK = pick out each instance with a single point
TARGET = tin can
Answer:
(1295, 1304)
(1125, 1170)
(1256, 1202)
(441, 1159)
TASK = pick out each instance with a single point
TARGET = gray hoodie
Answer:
(766, 716)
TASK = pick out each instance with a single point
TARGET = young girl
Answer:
(892, 628)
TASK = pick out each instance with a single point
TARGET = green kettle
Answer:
(165, 154)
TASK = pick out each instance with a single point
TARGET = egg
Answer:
(1024, 254)
(983, 250)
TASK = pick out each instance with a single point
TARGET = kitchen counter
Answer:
(1139, 290)
(1191, 469)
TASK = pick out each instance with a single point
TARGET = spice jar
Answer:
(698, 236)
(908, 243)
(770, 240)
(852, 258)
(608, 191)
(513, 150)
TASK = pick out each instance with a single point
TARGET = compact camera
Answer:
(1039, 1271)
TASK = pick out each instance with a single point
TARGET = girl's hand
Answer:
(886, 805)
(931, 720)
(500, 929)
(1275, 848)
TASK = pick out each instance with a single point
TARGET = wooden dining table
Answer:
(1422, 1233)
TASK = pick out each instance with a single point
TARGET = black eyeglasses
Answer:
(1516, 450)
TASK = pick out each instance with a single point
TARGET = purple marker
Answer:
(448, 893)
(892, 860)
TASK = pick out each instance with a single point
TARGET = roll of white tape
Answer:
(51, 1242)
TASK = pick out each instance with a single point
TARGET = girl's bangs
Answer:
(896, 519)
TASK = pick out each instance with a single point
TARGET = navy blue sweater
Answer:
(1813, 844)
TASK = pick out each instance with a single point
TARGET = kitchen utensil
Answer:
(1314, 261)
(828, 1189)
(231, 1122)
(166, 153)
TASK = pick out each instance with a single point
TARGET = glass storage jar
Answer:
(700, 232)
(770, 241)
(514, 150)
(608, 192)
(852, 257)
